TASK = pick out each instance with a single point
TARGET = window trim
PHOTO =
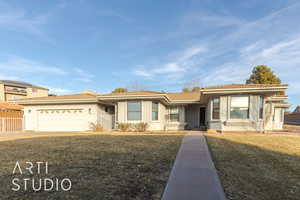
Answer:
(230, 107)
(154, 102)
(212, 109)
(134, 111)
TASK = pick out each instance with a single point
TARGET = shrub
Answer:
(124, 126)
(140, 127)
(97, 127)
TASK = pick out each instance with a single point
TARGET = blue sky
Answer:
(69, 46)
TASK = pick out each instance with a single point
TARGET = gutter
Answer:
(239, 90)
(61, 101)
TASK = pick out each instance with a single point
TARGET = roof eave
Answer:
(185, 102)
(133, 97)
(55, 101)
(243, 90)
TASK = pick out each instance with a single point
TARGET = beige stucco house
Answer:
(12, 90)
(235, 107)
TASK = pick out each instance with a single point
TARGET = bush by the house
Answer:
(140, 127)
(97, 127)
(124, 126)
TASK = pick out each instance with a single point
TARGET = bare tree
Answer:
(192, 85)
(136, 86)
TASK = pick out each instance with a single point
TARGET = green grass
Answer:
(257, 166)
(100, 167)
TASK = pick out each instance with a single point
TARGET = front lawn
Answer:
(116, 167)
(257, 166)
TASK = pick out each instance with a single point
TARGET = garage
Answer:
(65, 113)
(60, 120)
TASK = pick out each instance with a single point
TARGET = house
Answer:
(11, 90)
(235, 107)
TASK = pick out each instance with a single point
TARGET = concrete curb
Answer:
(194, 175)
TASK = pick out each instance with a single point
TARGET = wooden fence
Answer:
(293, 118)
(11, 121)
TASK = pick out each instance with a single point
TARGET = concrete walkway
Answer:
(194, 176)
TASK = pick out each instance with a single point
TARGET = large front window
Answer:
(134, 110)
(174, 114)
(239, 107)
(216, 108)
(154, 111)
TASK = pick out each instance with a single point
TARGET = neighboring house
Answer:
(293, 118)
(235, 107)
(12, 90)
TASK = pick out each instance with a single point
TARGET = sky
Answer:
(70, 46)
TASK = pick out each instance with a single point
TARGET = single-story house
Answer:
(235, 107)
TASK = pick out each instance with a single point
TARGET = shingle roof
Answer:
(229, 86)
(187, 96)
(133, 93)
(9, 106)
(172, 96)
(181, 96)
(71, 96)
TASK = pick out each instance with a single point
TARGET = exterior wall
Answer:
(104, 117)
(161, 124)
(2, 93)
(227, 124)
(179, 125)
(9, 97)
(146, 115)
(36, 92)
(272, 120)
(90, 113)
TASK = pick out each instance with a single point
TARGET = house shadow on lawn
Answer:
(250, 172)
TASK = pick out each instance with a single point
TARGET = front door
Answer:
(202, 116)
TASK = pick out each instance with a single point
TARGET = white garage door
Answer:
(61, 120)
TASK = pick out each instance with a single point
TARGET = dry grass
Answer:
(101, 166)
(28, 135)
(257, 166)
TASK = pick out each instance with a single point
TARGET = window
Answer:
(154, 111)
(216, 108)
(134, 110)
(261, 107)
(239, 108)
(34, 90)
(174, 114)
